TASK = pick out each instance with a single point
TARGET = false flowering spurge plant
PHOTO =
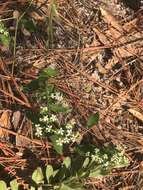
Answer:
(4, 35)
(72, 172)
(104, 159)
(53, 107)
(85, 160)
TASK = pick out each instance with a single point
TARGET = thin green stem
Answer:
(15, 36)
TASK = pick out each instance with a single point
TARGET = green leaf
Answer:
(32, 188)
(93, 120)
(40, 188)
(99, 172)
(86, 162)
(84, 174)
(61, 174)
(28, 24)
(57, 147)
(83, 149)
(77, 164)
(96, 173)
(71, 186)
(14, 185)
(49, 172)
(67, 162)
(37, 176)
(3, 185)
(49, 88)
(84, 170)
(56, 187)
(55, 172)
(33, 85)
(57, 108)
(66, 187)
(4, 35)
(5, 40)
(49, 72)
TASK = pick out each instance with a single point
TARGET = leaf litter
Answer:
(97, 48)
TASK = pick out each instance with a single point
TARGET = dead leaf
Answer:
(101, 69)
(130, 25)
(136, 114)
(36, 16)
(16, 119)
(111, 19)
(102, 37)
(25, 130)
(4, 122)
(114, 34)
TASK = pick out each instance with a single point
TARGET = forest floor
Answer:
(96, 48)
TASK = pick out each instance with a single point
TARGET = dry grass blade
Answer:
(136, 114)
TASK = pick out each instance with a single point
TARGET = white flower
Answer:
(39, 132)
(77, 134)
(87, 154)
(5, 33)
(73, 138)
(53, 95)
(37, 125)
(69, 126)
(58, 96)
(1, 30)
(105, 156)
(60, 131)
(69, 132)
(46, 118)
(48, 128)
(53, 118)
(44, 97)
(66, 140)
(72, 121)
(106, 164)
(65, 104)
(96, 151)
(59, 142)
(44, 109)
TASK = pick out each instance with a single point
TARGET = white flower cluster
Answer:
(98, 157)
(67, 135)
(59, 98)
(47, 122)
(48, 119)
(117, 159)
(40, 131)
(3, 30)
(43, 109)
